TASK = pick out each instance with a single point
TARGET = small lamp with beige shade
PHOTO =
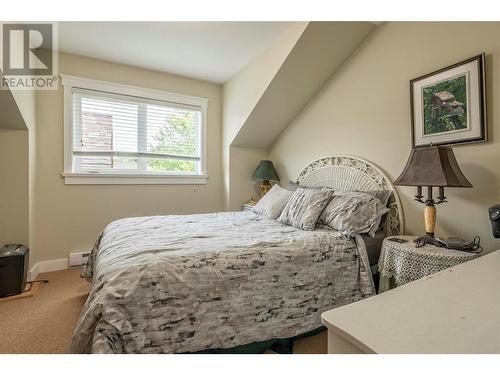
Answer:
(265, 172)
(430, 167)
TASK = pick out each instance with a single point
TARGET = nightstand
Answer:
(248, 206)
(401, 263)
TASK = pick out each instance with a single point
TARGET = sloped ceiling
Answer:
(319, 52)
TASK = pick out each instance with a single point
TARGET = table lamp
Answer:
(265, 172)
(431, 166)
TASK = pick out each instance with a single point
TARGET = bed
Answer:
(195, 283)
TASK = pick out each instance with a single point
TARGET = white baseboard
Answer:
(33, 273)
(47, 266)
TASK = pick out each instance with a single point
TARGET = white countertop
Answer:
(453, 311)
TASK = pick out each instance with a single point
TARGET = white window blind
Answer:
(114, 133)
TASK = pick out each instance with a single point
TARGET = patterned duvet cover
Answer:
(171, 284)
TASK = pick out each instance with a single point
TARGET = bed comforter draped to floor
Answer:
(169, 284)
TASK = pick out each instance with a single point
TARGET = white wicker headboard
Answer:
(343, 172)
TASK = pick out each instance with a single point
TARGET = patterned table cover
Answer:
(401, 263)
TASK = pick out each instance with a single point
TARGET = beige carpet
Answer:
(45, 322)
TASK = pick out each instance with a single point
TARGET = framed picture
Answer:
(448, 106)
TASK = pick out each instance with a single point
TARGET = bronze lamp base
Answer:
(265, 186)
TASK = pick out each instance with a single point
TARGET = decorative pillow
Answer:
(273, 202)
(384, 196)
(351, 212)
(304, 207)
(292, 186)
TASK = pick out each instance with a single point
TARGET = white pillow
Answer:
(273, 202)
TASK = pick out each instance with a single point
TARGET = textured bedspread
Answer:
(169, 284)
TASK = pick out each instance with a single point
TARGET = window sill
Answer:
(132, 179)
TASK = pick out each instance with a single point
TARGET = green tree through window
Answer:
(177, 136)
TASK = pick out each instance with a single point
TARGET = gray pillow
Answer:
(292, 186)
(384, 196)
(273, 203)
(351, 212)
(304, 207)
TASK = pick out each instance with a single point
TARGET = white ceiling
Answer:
(211, 51)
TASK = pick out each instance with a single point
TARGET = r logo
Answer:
(27, 49)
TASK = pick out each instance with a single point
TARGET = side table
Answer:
(400, 263)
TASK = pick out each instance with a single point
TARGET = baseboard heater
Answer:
(78, 259)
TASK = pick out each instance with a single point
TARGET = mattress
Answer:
(187, 283)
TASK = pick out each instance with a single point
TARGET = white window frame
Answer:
(103, 178)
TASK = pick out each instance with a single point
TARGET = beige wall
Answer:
(17, 150)
(69, 217)
(26, 104)
(364, 111)
(261, 100)
(14, 191)
(242, 163)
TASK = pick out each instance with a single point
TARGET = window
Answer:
(124, 134)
